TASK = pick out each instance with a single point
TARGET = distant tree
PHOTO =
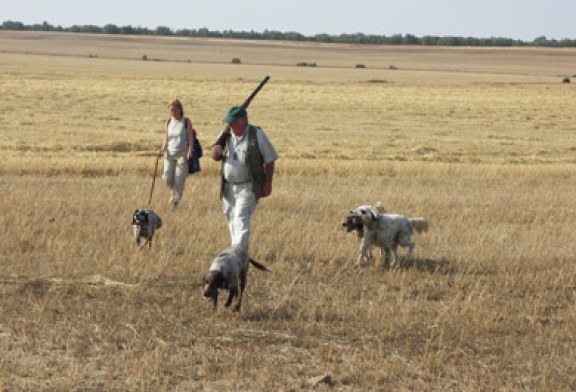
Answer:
(429, 40)
(567, 43)
(294, 36)
(110, 29)
(162, 30)
(410, 39)
(273, 35)
(322, 38)
(358, 38)
(540, 41)
(396, 39)
(85, 29)
(142, 31)
(10, 25)
(450, 41)
(499, 41)
(185, 33)
(128, 30)
(43, 27)
(203, 32)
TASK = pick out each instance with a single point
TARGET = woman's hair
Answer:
(178, 104)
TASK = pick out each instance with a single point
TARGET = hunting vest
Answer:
(255, 164)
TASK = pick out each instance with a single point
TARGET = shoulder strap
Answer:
(253, 139)
(185, 121)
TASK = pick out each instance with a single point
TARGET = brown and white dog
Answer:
(385, 231)
(144, 225)
(229, 271)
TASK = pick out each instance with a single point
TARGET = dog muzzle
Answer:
(352, 223)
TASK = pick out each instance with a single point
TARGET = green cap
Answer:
(233, 113)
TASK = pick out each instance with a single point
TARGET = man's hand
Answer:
(266, 189)
(217, 152)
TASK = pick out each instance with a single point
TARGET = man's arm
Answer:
(267, 188)
(217, 148)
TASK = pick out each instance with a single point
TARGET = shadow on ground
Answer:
(433, 266)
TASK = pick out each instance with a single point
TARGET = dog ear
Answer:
(366, 211)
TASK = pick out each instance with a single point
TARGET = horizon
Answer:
(515, 19)
(174, 31)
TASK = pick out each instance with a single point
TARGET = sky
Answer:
(517, 19)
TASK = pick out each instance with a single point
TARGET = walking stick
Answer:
(154, 178)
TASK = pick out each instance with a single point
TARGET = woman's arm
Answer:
(164, 140)
(191, 137)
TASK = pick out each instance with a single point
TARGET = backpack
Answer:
(194, 162)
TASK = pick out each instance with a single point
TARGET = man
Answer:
(247, 169)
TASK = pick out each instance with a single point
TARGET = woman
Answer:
(177, 145)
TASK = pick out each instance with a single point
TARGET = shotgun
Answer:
(226, 132)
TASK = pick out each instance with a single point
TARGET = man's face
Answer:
(238, 125)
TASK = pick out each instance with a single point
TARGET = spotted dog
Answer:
(144, 225)
(229, 271)
(385, 231)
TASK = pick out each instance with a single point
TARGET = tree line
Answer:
(356, 38)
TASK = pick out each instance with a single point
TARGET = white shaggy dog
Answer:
(386, 231)
(358, 227)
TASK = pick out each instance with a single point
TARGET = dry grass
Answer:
(488, 302)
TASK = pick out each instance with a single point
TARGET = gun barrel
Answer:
(224, 135)
(255, 92)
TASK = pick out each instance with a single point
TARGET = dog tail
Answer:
(419, 224)
(379, 207)
(261, 267)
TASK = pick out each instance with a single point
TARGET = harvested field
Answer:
(477, 141)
